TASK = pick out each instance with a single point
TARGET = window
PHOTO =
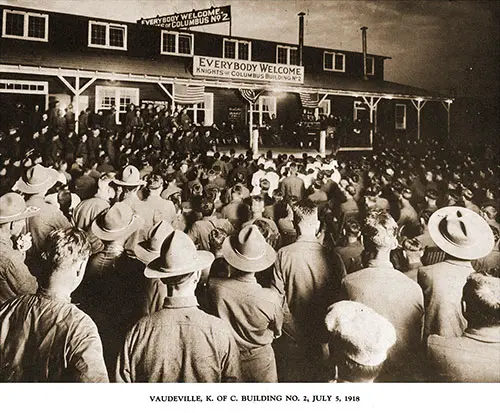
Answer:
(107, 35)
(287, 55)
(370, 65)
(324, 107)
(120, 97)
(176, 43)
(237, 49)
(25, 25)
(263, 109)
(27, 87)
(202, 113)
(400, 116)
(334, 61)
(360, 110)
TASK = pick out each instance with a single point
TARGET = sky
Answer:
(441, 45)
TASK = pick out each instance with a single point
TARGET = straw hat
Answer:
(150, 248)
(36, 180)
(461, 233)
(13, 208)
(364, 336)
(248, 251)
(130, 177)
(115, 223)
(178, 256)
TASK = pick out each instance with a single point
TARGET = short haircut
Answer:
(216, 239)
(305, 210)
(380, 230)
(490, 211)
(431, 194)
(154, 181)
(237, 189)
(354, 372)
(351, 190)
(266, 230)
(481, 294)
(207, 207)
(352, 227)
(63, 248)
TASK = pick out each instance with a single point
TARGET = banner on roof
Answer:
(246, 70)
(193, 18)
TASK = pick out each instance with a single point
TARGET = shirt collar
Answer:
(379, 264)
(52, 295)
(180, 302)
(246, 278)
(485, 334)
(461, 263)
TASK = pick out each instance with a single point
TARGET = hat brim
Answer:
(155, 270)
(123, 183)
(242, 263)
(28, 212)
(27, 188)
(125, 232)
(481, 229)
(144, 254)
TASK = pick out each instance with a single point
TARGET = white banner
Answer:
(246, 70)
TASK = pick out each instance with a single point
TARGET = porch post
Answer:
(255, 142)
(322, 142)
(447, 106)
(418, 104)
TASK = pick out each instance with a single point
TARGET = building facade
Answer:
(99, 63)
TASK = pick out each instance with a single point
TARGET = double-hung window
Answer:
(287, 55)
(176, 43)
(334, 61)
(107, 35)
(237, 49)
(400, 116)
(25, 25)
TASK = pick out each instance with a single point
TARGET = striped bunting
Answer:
(187, 94)
(251, 95)
(309, 100)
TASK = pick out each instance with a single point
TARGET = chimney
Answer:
(301, 35)
(363, 36)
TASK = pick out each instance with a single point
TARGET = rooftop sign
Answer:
(193, 18)
(246, 70)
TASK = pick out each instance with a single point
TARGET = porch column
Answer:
(372, 105)
(418, 103)
(447, 106)
(255, 142)
(322, 142)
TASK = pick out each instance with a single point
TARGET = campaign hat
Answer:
(178, 256)
(461, 233)
(13, 208)
(248, 250)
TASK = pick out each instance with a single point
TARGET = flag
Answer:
(251, 95)
(188, 94)
(309, 100)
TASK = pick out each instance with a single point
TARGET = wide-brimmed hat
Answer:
(150, 248)
(365, 336)
(130, 176)
(248, 251)
(13, 208)
(178, 256)
(461, 233)
(36, 180)
(116, 223)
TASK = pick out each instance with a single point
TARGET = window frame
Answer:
(398, 126)
(257, 108)
(334, 54)
(208, 110)
(176, 53)
(237, 50)
(119, 91)
(107, 35)
(372, 73)
(25, 35)
(288, 52)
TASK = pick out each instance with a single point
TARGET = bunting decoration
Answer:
(251, 95)
(188, 94)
